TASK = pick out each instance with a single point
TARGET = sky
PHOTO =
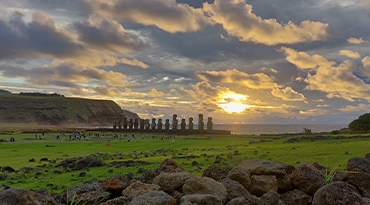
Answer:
(237, 61)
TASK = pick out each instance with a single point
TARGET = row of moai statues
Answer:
(145, 125)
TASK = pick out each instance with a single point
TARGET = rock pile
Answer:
(252, 182)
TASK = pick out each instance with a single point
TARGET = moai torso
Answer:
(142, 124)
(160, 124)
(125, 123)
(183, 124)
(200, 122)
(174, 122)
(191, 124)
(153, 124)
(136, 124)
(115, 125)
(209, 124)
(167, 125)
(120, 124)
(146, 124)
(131, 124)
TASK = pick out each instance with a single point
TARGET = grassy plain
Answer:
(232, 149)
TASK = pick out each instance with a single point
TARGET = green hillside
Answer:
(20, 109)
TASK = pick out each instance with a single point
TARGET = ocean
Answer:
(257, 129)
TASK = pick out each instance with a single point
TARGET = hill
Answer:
(41, 110)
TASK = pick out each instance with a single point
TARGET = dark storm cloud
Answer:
(107, 34)
(40, 37)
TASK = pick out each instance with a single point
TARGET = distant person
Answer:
(11, 139)
(128, 139)
(57, 137)
(35, 136)
(173, 141)
(142, 136)
(39, 137)
(108, 144)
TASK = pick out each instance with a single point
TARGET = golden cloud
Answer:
(288, 94)
(349, 54)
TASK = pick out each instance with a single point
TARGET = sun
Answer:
(232, 103)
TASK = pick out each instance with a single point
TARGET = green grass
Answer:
(26, 147)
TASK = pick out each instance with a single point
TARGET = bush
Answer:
(361, 124)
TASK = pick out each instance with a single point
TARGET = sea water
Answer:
(257, 129)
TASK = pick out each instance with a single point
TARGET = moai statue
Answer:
(136, 124)
(191, 124)
(146, 124)
(153, 124)
(183, 124)
(131, 124)
(167, 125)
(209, 124)
(114, 125)
(174, 122)
(200, 123)
(142, 124)
(160, 124)
(125, 123)
(120, 124)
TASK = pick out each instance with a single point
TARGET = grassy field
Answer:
(232, 149)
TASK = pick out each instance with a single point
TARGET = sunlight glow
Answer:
(232, 103)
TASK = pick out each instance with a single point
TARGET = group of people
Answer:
(12, 139)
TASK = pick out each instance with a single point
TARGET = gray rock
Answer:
(240, 175)
(171, 181)
(261, 167)
(198, 199)
(235, 190)
(296, 197)
(337, 193)
(239, 201)
(154, 198)
(262, 184)
(139, 188)
(216, 172)
(122, 200)
(205, 185)
(270, 197)
(307, 178)
(22, 196)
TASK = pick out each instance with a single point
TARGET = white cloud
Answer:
(288, 94)
(356, 40)
(349, 54)
(237, 19)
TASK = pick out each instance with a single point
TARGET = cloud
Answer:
(288, 94)
(35, 39)
(154, 93)
(237, 19)
(359, 108)
(349, 54)
(164, 14)
(269, 70)
(234, 76)
(339, 82)
(66, 75)
(304, 61)
(107, 34)
(104, 90)
(356, 40)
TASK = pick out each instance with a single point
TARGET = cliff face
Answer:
(59, 111)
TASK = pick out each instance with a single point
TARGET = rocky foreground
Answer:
(251, 182)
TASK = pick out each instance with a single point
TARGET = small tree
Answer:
(361, 124)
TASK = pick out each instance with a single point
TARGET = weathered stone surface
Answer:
(360, 181)
(367, 156)
(358, 164)
(262, 184)
(261, 167)
(149, 176)
(239, 201)
(205, 185)
(269, 198)
(22, 196)
(154, 198)
(122, 200)
(285, 184)
(86, 193)
(169, 166)
(7, 169)
(171, 181)
(177, 195)
(196, 199)
(116, 184)
(337, 193)
(217, 173)
(139, 188)
(296, 197)
(307, 178)
(235, 190)
(240, 175)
